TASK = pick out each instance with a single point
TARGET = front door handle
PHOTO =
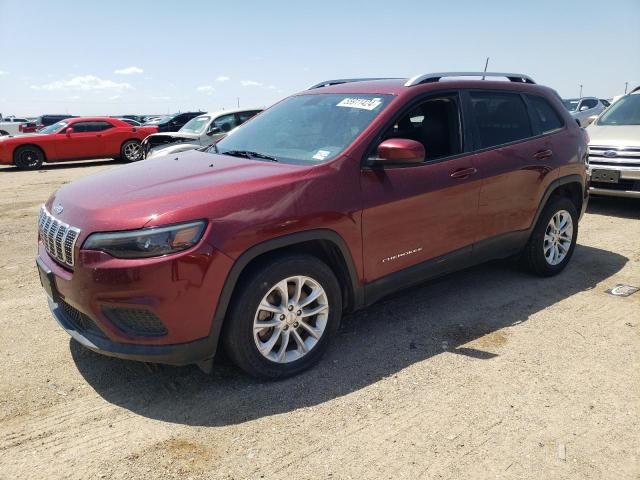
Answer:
(543, 154)
(464, 172)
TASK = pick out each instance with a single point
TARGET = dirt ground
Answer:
(488, 373)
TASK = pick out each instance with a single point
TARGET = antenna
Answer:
(486, 64)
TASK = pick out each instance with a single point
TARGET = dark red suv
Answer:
(320, 205)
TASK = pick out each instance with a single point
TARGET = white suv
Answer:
(614, 149)
(583, 108)
(198, 132)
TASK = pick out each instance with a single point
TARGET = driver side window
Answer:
(435, 123)
(225, 123)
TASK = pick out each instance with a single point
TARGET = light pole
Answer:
(626, 86)
(580, 90)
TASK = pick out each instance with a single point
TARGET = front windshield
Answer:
(571, 105)
(196, 125)
(56, 127)
(625, 111)
(307, 128)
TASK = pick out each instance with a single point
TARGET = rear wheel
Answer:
(283, 317)
(28, 157)
(553, 239)
(131, 151)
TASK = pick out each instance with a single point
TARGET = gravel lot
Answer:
(488, 373)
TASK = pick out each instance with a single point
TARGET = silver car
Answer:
(583, 108)
(198, 132)
(614, 149)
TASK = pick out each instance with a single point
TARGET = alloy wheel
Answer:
(290, 319)
(558, 237)
(133, 151)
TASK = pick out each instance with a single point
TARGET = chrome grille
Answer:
(614, 156)
(59, 239)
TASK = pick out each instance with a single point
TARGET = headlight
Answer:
(147, 242)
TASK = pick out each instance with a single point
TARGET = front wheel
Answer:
(131, 151)
(553, 239)
(283, 316)
(28, 157)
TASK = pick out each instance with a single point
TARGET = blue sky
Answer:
(144, 56)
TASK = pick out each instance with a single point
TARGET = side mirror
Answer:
(214, 131)
(583, 108)
(591, 119)
(68, 131)
(399, 151)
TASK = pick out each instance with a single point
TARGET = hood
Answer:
(172, 148)
(171, 189)
(614, 135)
(159, 140)
(173, 136)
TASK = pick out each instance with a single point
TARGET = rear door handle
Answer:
(464, 172)
(543, 154)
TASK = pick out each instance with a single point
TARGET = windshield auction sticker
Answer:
(361, 103)
(321, 154)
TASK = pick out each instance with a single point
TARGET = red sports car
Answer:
(81, 138)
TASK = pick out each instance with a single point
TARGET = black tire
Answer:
(238, 336)
(127, 151)
(28, 157)
(533, 257)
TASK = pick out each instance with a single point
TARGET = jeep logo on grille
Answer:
(58, 209)
(610, 153)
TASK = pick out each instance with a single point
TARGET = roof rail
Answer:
(434, 77)
(328, 83)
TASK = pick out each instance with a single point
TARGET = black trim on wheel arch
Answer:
(553, 186)
(270, 245)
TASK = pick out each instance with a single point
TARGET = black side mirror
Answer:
(214, 131)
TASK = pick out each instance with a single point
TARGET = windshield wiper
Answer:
(249, 154)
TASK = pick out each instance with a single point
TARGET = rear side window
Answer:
(244, 116)
(544, 117)
(225, 123)
(499, 118)
(588, 104)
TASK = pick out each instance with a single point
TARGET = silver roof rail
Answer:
(338, 81)
(434, 77)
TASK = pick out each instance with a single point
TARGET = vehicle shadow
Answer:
(439, 317)
(615, 207)
(64, 165)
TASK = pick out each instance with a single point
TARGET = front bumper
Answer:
(627, 187)
(108, 305)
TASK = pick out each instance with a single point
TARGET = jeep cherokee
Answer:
(326, 202)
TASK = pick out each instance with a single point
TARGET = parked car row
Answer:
(87, 138)
(75, 139)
